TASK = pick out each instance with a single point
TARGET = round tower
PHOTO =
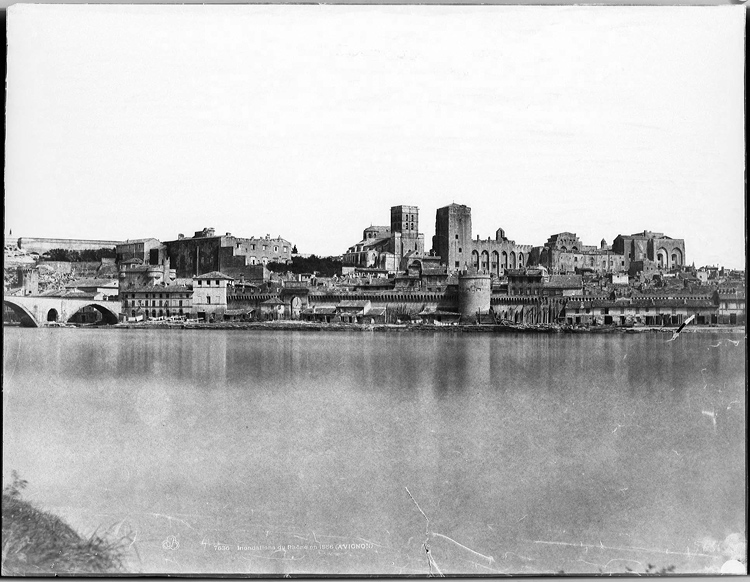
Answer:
(474, 291)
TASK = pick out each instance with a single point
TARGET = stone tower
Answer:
(28, 279)
(405, 237)
(474, 293)
(452, 235)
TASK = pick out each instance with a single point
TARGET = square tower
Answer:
(453, 236)
(405, 237)
(405, 219)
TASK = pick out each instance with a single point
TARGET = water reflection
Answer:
(502, 439)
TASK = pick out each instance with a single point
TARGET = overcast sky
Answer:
(310, 122)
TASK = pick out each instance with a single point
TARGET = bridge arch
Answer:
(52, 314)
(24, 315)
(109, 317)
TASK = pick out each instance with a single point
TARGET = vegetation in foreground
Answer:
(38, 543)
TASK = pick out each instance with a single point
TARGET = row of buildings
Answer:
(204, 252)
(639, 279)
(455, 248)
(467, 298)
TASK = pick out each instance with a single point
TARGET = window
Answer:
(199, 282)
(275, 249)
(459, 249)
(208, 300)
(456, 237)
(285, 249)
(457, 263)
(264, 247)
(217, 283)
(252, 247)
(180, 305)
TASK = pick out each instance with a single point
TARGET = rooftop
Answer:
(214, 275)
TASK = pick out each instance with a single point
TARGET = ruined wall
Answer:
(191, 256)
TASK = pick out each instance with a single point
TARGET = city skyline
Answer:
(594, 121)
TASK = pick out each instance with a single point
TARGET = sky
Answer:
(310, 122)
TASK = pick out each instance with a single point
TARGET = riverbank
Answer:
(426, 327)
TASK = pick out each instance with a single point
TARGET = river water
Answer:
(311, 452)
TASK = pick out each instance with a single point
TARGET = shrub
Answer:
(35, 542)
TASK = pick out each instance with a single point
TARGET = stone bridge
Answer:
(36, 311)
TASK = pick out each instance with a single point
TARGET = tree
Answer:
(294, 250)
(88, 255)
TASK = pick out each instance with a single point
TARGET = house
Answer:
(623, 311)
(272, 309)
(563, 285)
(374, 315)
(101, 288)
(210, 295)
(525, 281)
(239, 314)
(154, 301)
(324, 314)
(730, 304)
(349, 310)
(439, 316)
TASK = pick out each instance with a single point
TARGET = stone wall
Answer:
(42, 245)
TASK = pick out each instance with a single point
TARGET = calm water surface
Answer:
(283, 452)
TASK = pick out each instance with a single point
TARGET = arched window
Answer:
(485, 264)
(676, 258)
(504, 260)
(495, 262)
(512, 260)
(475, 259)
(520, 260)
(662, 258)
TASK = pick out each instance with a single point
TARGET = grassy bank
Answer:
(37, 543)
